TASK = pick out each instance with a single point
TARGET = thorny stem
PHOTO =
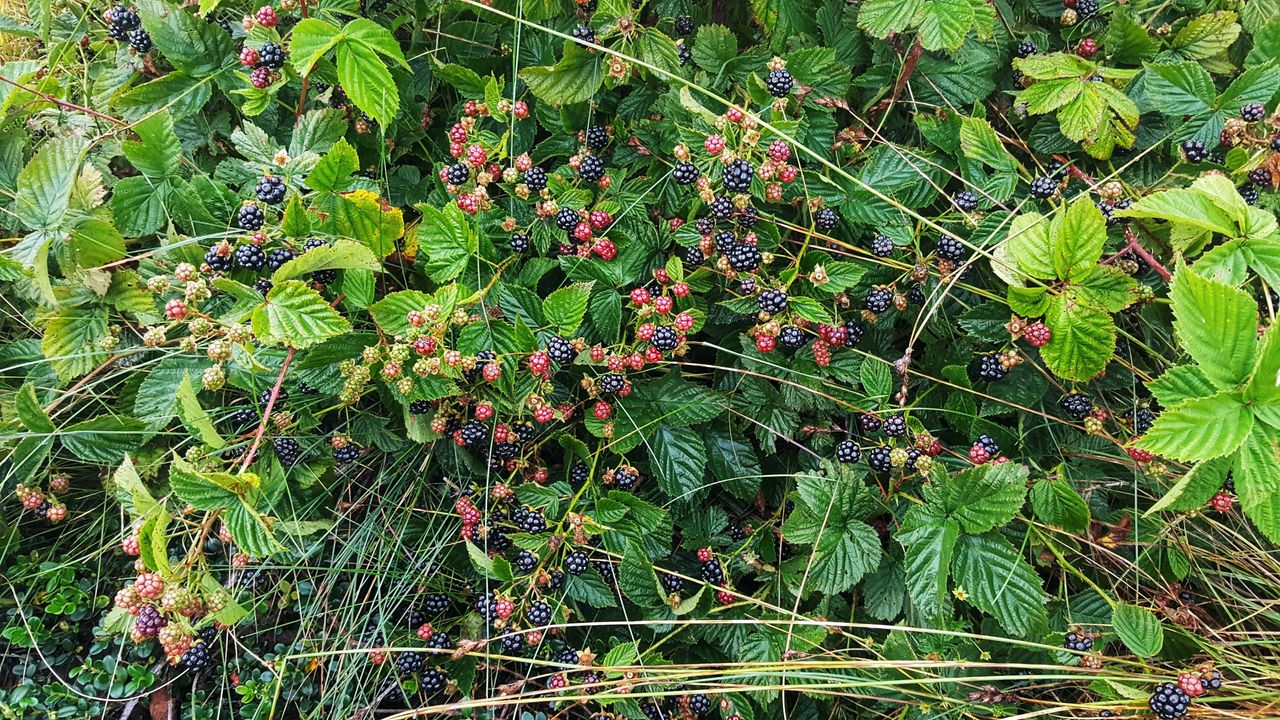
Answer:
(1137, 249)
(904, 76)
(266, 414)
(63, 103)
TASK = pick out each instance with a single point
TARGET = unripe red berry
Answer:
(602, 410)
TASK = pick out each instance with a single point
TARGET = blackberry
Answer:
(1142, 419)
(792, 337)
(989, 368)
(1026, 48)
(654, 711)
(1077, 405)
(989, 444)
(473, 433)
(271, 190)
(419, 407)
(567, 219)
(1253, 112)
(1260, 176)
(915, 295)
(713, 572)
(243, 418)
(575, 563)
(779, 82)
(878, 459)
(747, 285)
(700, 704)
(895, 425)
(882, 246)
(1250, 194)
(506, 450)
(1078, 642)
(848, 452)
(1043, 187)
(1212, 680)
(949, 248)
(737, 176)
(525, 561)
(557, 579)
(1086, 8)
(597, 137)
(721, 207)
(607, 571)
(346, 454)
(207, 633)
(140, 40)
(693, 256)
(626, 478)
(529, 521)
(704, 225)
(826, 219)
(567, 656)
(218, 259)
(579, 473)
(520, 243)
(458, 173)
(278, 257)
(513, 643)
(263, 286)
(538, 614)
(853, 332)
(250, 217)
(1275, 143)
(584, 33)
(1169, 702)
(684, 25)
(665, 338)
(536, 179)
(612, 383)
(149, 621)
(870, 423)
(725, 240)
(120, 21)
(313, 243)
(271, 56)
(440, 641)
(670, 583)
(288, 450)
(685, 173)
(561, 350)
(744, 258)
(772, 301)
(250, 257)
(591, 169)
(878, 300)
(748, 217)
(1195, 151)
(265, 396)
(433, 680)
(196, 658)
(408, 663)
(683, 53)
(965, 201)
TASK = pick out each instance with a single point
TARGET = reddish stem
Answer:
(63, 103)
(904, 76)
(1136, 248)
(266, 414)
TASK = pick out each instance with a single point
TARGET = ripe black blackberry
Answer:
(250, 217)
(684, 173)
(792, 337)
(525, 561)
(513, 643)
(591, 169)
(949, 248)
(713, 572)
(779, 82)
(536, 179)
(915, 295)
(721, 207)
(263, 286)
(140, 40)
(1169, 702)
(271, 190)
(567, 219)
(1142, 419)
(579, 473)
(506, 450)
(419, 407)
(878, 299)
(597, 137)
(725, 240)
(435, 604)
(683, 25)
(1043, 187)
(575, 563)
(699, 704)
(538, 614)
(625, 478)
(1253, 112)
(965, 201)
(432, 680)
(737, 176)
(989, 444)
(196, 658)
(826, 219)
(440, 641)
(457, 173)
(870, 422)
(747, 285)
(271, 56)
(848, 452)
(1260, 176)
(561, 350)
(654, 711)
(612, 383)
(1077, 642)
(529, 521)
(772, 301)
(519, 243)
(1195, 151)
(878, 459)
(989, 368)
(120, 21)
(219, 259)
(265, 396)
(1026, 48)
(584, 33)
(1250, 194)
(243, 418)
(665, 338)
(683, 53)
(473, 434)
(1275, 143)
(693, 256)
(747, 217)
(895, 425)
(278, 257)
(1212, 680)
(744, 258)
(409, 662)
(288, 451)
(346, 454)
(853, 332)
(1086, 9)
(250, 257)
(1077, 405)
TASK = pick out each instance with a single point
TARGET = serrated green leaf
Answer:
(1195, 487)
(30, 411)
(195, 417)
(1177, 384)
(881, 17)
(637, 580)
(1084, 337)
(999, 581)
(198, 489)
(366, 80)
(104, 439)
(295, 315)
(333, 172)
(565, 308)
(1138, 628)
(1200, 429)
(930, 539)
(44, 185)
(391, 312)
(1264, 382)
(572, 80)
(679, 460)
(1217, 326)
(986, 496)
(979, 142)
(1257, 478)
(341, 255)
(249, 529)
(1180, 89)
(449, 241)
(1078, 233)
(1055, 502)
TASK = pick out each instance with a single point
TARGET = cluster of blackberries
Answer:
(1169, 702)
(1078, 642)
(792, 337)
(713, 572)
(457, 173)
(584, 33)
(684, 25)
(626, 478)
(737, 176)
(120, 21)
(288, 451)
(520, 243)
(250, 257)
(529, 521)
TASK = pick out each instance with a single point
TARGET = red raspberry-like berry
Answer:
(468, 203)
(645, 332)
(978, 454)
(260, 77)
(766, 343)
(130, 546)
(680, 289)
(1087, 48)
(175, 309)
(540, 476)
(724, 597)
(662, 304)
(458, 133)
(415, 318)
(540, 363)
(504, 608)
(639, 297)
(705, 554)
(424, 345)
(597, 353)
(1191, 684)
(635, 361)
(149, 585)
(617, 363)
(735, 115)
(425, 631)
(660, 274)
(484, 411)
(935, 449)
(1038, 334)
(833, 335)
(683, 322)
(605, 248)
(476, 155)
(470, 108)
(520, 109)
(773, 192)
(248, 57)
(491, 372)
(821, 352)
(602, 410)
(788, 173)
(378, 657)
(713, 144)
(266, 16)
(544, 414)
(600, 219)
(1140, 455)
(1223, 502)
(779, 151)
(557, 682)
(582, 232)
(652, 354)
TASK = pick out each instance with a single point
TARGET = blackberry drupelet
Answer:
(561, 350)
(684, 173)
(591, 169)
(575, 563)
(878, 459)
(895, 425)
(1169, 702)
(826, 219)
(966, 201)
(250, 217)
(792, 337)
(878, 300)
(287, 450)
(949, 248)
(779, 82)
(744, 258)
(567, 219)
(772, 301)
(250, 257)
(1043, 187)
(536, 179)
(848, 452)
(989, 368)
(271, 56)
(737, 176)
(597, 137)
(1077, 405)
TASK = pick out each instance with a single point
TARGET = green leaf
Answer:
(104, 439)
(159, 154)
(986, 496)
(1200, 429)
(199, 490)
(1084, 336)
(1257, 84)
(448, 241)
(1180, 89)
(1030, 247)
(944, 24)
(391, 312)
(1257, 479)
(999, 581)
(367, 82)
(131, 491)
(1127, 39)
(341, 255)
(1187, 206)
(296, 222)
(44, 185)
(1180, 383)
(1077, 233)
(31, 412)
(1138, 628)
(714, 47)
(679, 460)
(1206, 35)
(978, 141)
(1264, 382)
(877, 379)
(465, 80)
(195, 416)
(637, 580)
(882, 17)
(566, 307)
(1055, 502)
(194, 47)
(70, 338)
(249, 529)
(295, 315)
(333, 172)
(1217, 325)
(930, 540)
(1195, 487)
(574, 79)
(360, 215)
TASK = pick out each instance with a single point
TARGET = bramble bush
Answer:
(640, 359)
